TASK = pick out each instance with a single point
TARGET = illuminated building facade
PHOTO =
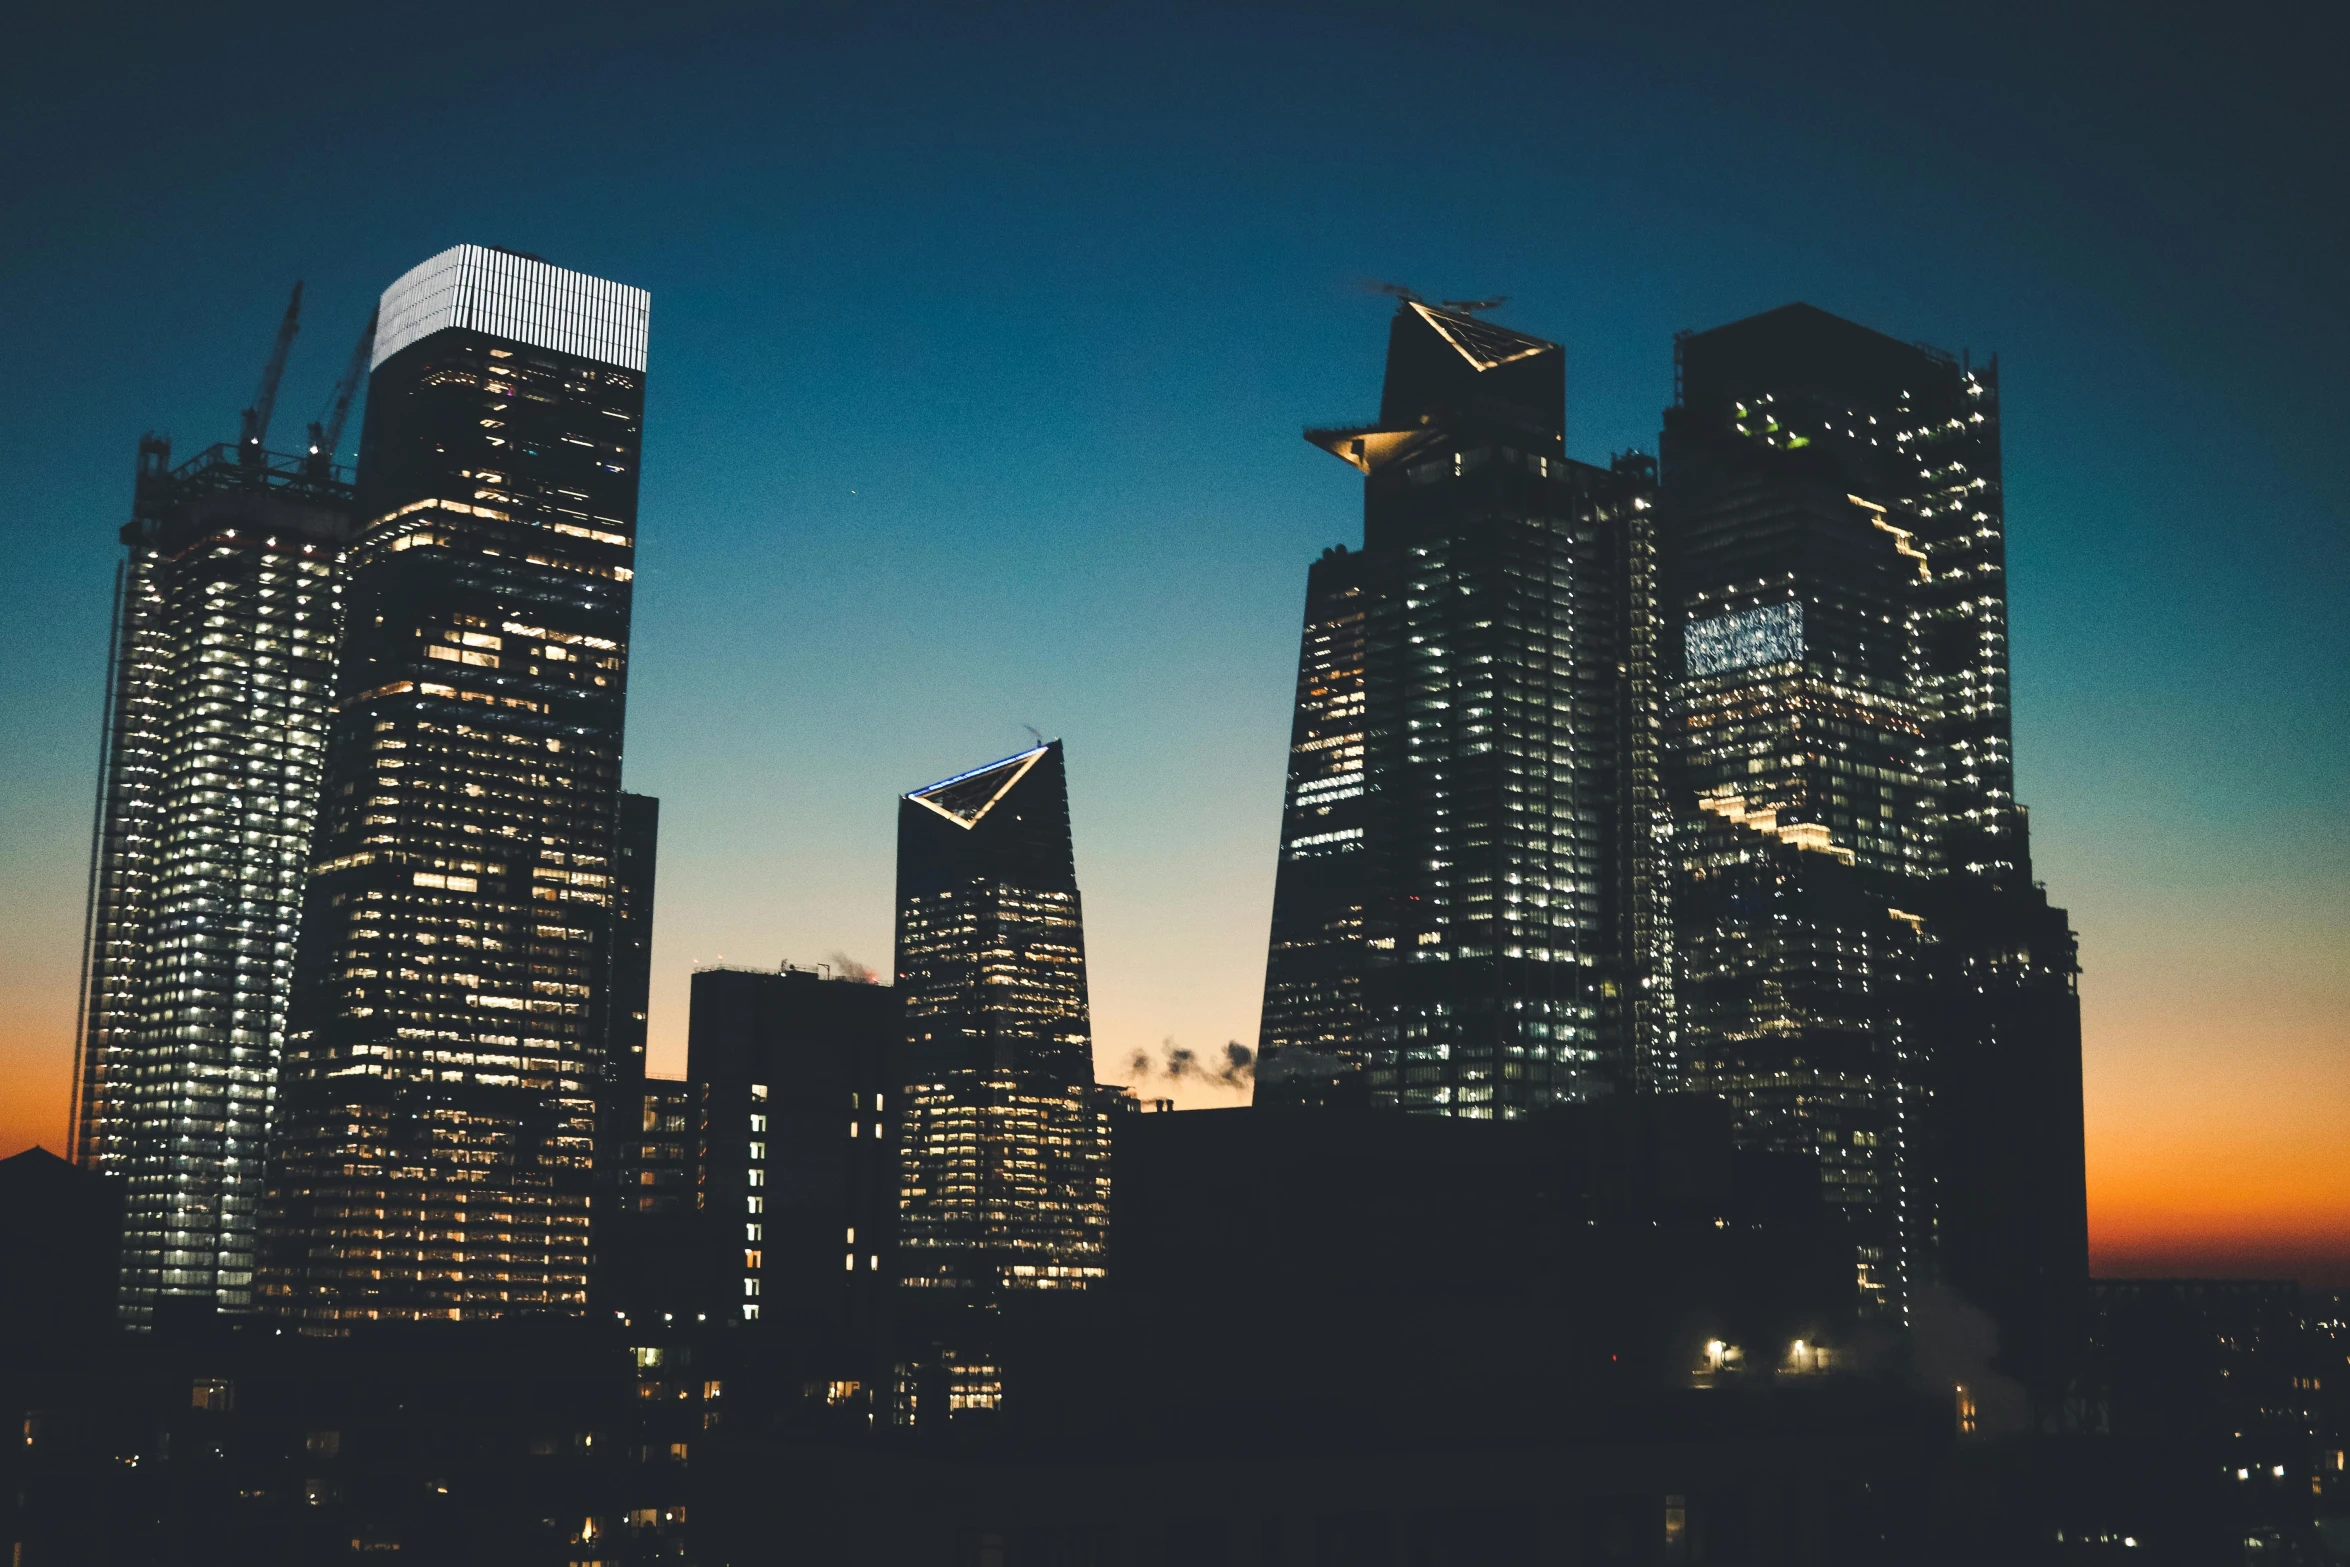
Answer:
(1004, 1184)
(799, 1169)
(1499, 732)
(991, 936)
(1313, 1013)
(1864, 966)
(1914, 435)
(1800, 969)
(227, 614)
(448, 1038)
(1003, 1136)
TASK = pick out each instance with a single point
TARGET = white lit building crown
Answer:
(519, 298)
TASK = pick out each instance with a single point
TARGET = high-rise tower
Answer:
(1313, 1015)
(1915, 433)
(1003, 1137)
(448, 1034)
(991, 937)
(227, 612)
(1865, 966)
(1499, 622)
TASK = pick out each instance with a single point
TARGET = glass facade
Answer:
(1863, 966)
(1312, 1024)
(1004, 1185)
(228, 612)
(448, 1039)
(991, 938)
(1003, 1138)
(1505, 592)
(1913, 434)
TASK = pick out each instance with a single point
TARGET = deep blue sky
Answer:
(981, 341)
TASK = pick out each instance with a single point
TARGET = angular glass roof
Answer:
(1481, 343)
(966, 797)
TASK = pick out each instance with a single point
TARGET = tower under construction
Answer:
(227, 613)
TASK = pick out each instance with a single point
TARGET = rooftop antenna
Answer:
(256, 420)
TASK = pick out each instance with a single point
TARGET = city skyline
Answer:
(1171, 755)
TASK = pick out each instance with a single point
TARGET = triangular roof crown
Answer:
(966, 797)
(1484, 345)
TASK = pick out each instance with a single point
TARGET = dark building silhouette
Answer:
(1003, 1136)
(799, 1176)
(625, 1116)
(1495, 833)
(483, 1443)
(659, 1249)
(447, 1041)
(1346, 1336)
(1863, 966)
(629, 1000)
(226, 618)
(60, 1250)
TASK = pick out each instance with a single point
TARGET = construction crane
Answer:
(326, 435)
(256, 422)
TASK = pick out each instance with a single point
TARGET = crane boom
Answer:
(326, 435)
(256, 422)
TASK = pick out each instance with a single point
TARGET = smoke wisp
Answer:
(1232, 1069)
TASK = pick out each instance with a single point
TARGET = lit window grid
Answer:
(1492, 738)
(1313, 991)
(1005, 1184)
(223, 682)
(989, 960)
(466, 850)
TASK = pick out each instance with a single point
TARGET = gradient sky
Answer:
(981, 342)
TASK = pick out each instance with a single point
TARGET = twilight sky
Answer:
(982, 337)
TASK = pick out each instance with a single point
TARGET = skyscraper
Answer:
(1862, 950)
(1497, 738)
(991, 935)
(1313, 1015)
(1800, 938)
(1003, 1137)
(227, 611)
(1915, 433)
(448, 1034)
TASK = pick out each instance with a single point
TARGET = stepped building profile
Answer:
(1466, 833)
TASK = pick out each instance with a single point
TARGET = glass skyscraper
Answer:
(1003, 1135)
(1498, 738)
(1313, 1016)
(227, 612)
(450, 1022)
(1864, 968)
